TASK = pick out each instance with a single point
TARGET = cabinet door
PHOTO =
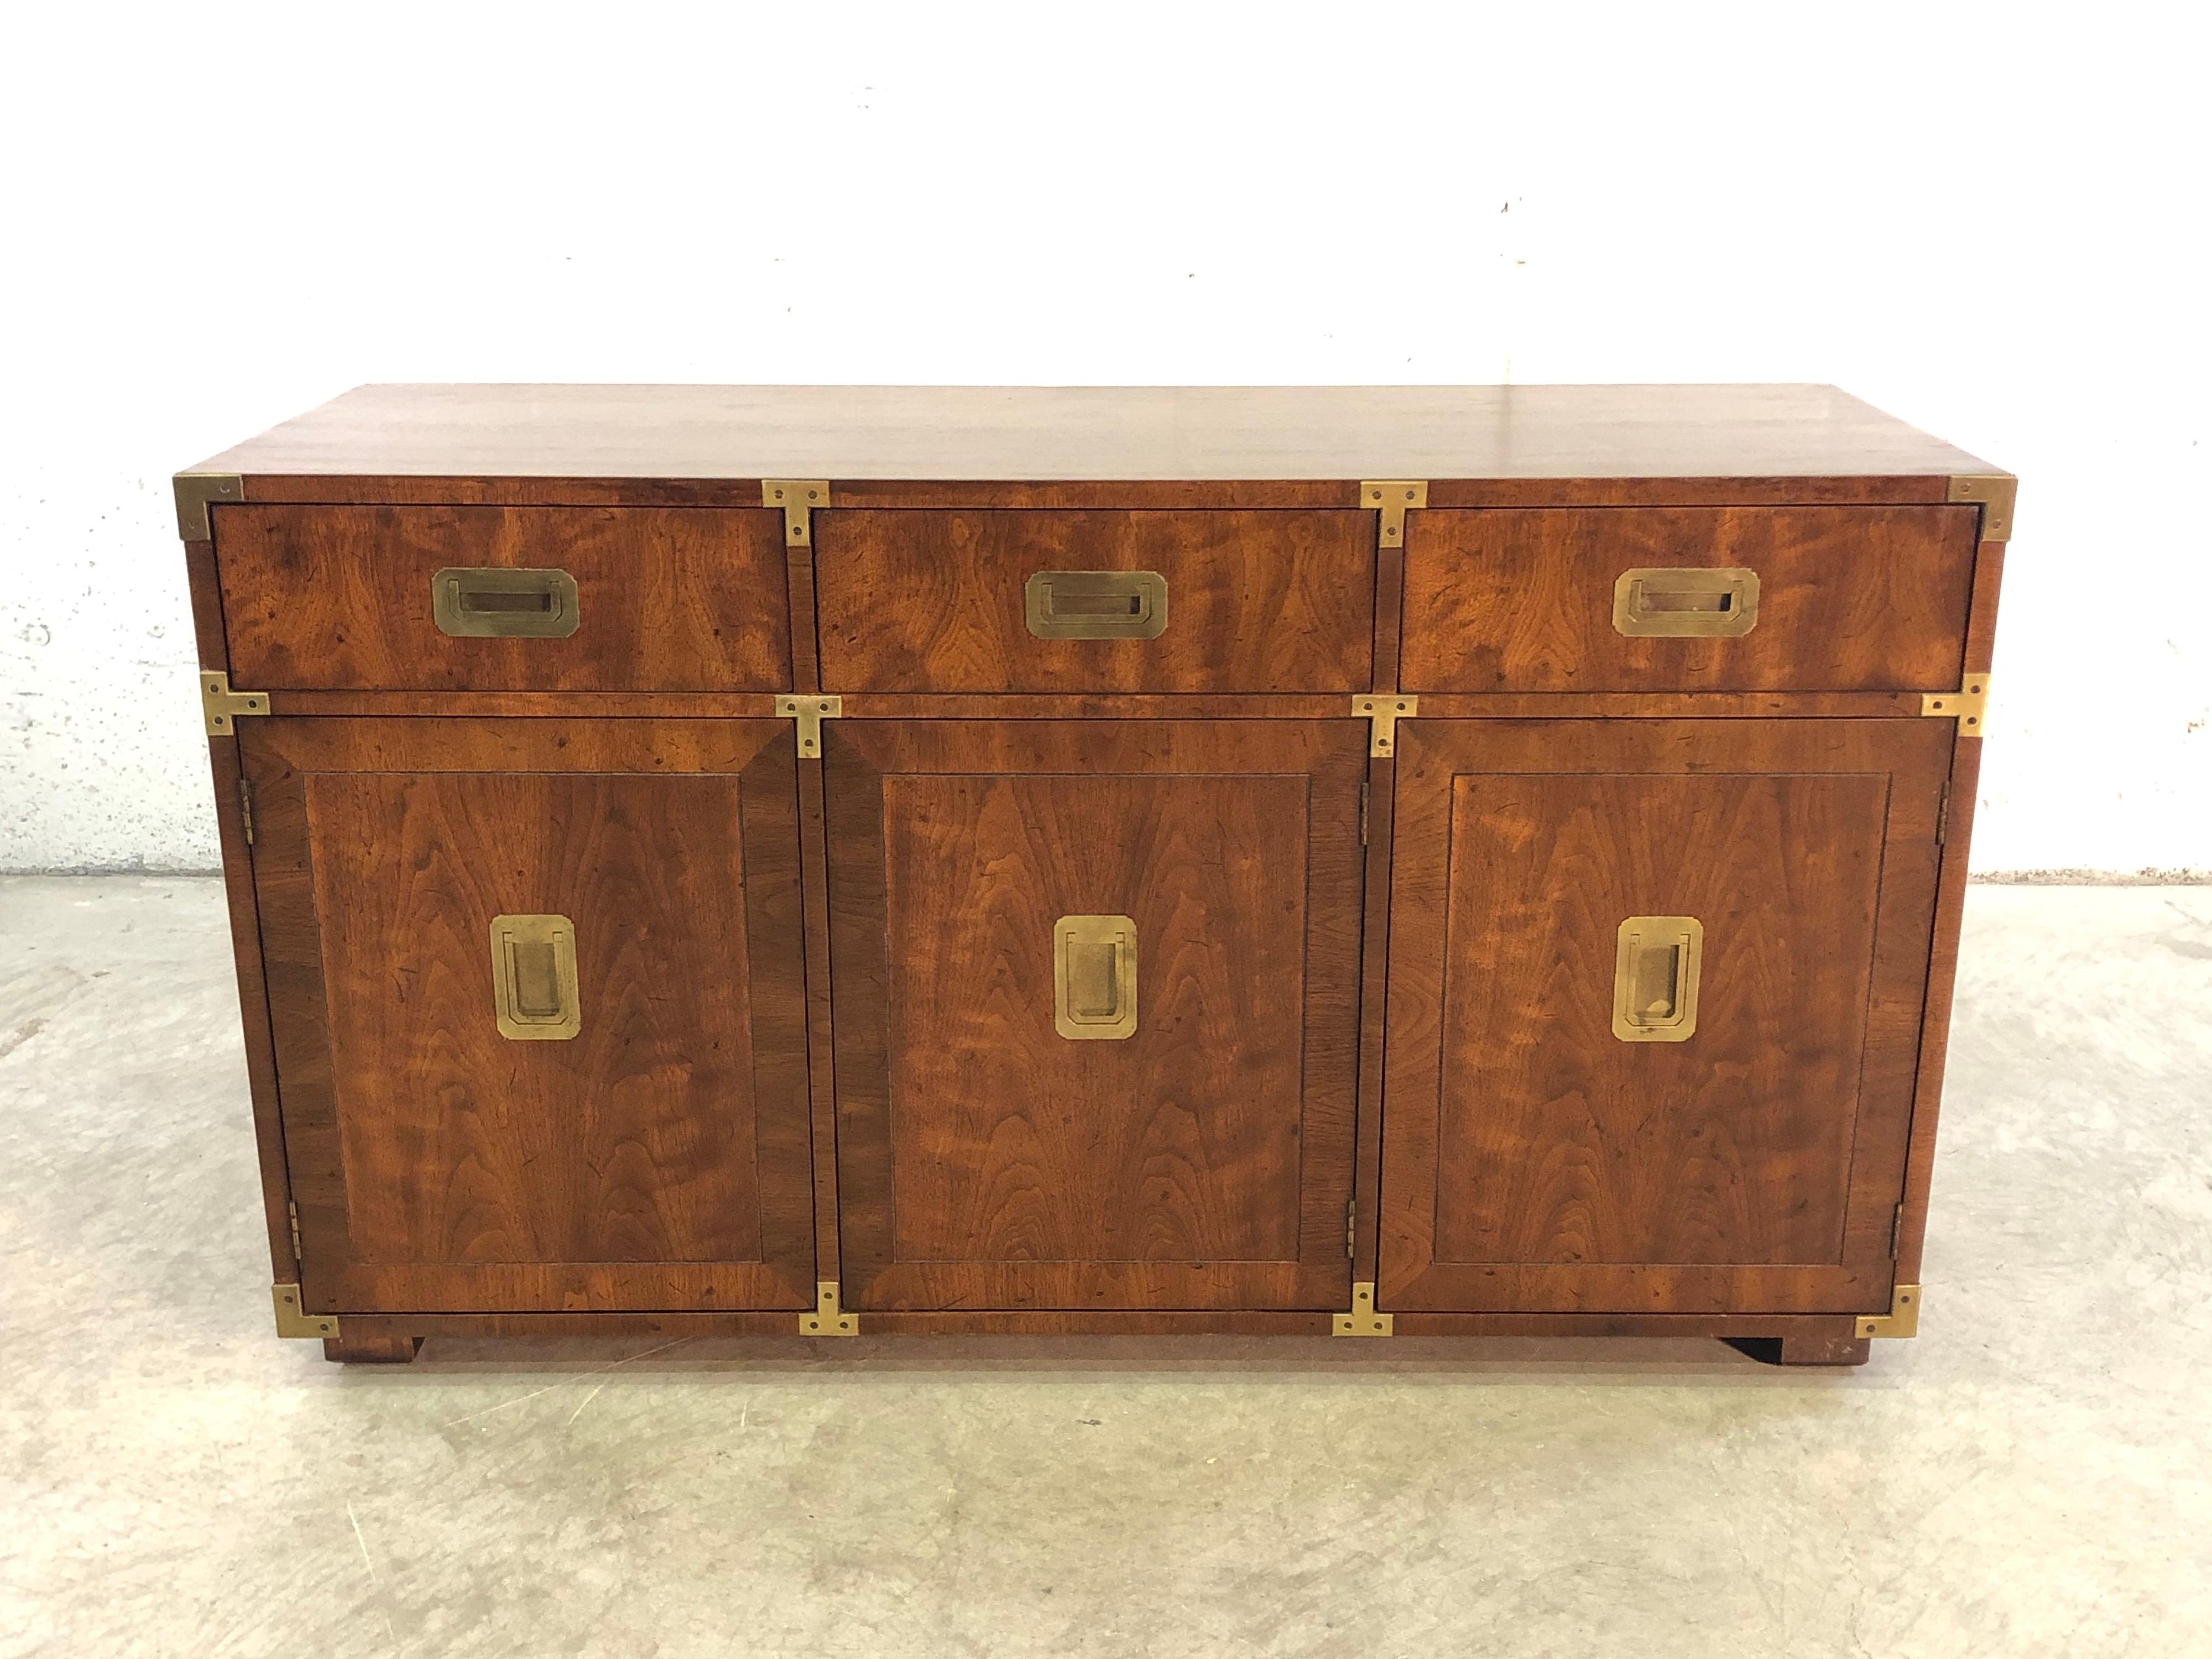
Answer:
(537, 997)
(1094, 989)
(1590, 1104)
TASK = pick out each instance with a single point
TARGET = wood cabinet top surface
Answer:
(1096, 433)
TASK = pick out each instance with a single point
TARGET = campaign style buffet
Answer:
(835, 860)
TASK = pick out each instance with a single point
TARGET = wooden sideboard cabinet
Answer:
(868, 860)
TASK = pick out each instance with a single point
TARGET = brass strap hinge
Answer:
(245, 823)
(797, 497)
(825, 1320)
(1995, 493)
(292, 1319)
(221, 705)
(1902, 1318)
(810, 710)
(194, 491)
(1392, 497)
(1363, 1319)
(1967, 705)
(1383, 710)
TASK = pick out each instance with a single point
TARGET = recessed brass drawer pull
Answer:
(1095, 605)
(534, 978)
(1654, 978)
(499, 603)
(1686, 603)
(1094, 961)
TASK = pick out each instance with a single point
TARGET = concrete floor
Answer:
(2033, 1475)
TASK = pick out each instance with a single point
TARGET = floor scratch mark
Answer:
(627, 1359)
(363, 1542)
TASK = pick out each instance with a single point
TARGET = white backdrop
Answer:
(1987, 219)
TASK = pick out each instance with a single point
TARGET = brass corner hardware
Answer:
(1363, 1319)
(221, 706)
(194, 491)
(1392, 497)
(797, 497)
(825, 1320)
(1967, 705)
(293, 1320)
(810, 710)
(1995, 493)
(1382, 710)
(1902, 1318)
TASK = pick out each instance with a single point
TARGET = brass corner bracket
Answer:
(797, 497)
(825, 1320)
(810, 710)
(1382, 710)
(1363, 1319)
(1902, 1318)
(1994, 492)
(194, 491)
(221, 706)
(292, 1319)
(1968, 705)
(1392, 497)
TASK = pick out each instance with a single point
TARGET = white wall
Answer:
(1987, 219)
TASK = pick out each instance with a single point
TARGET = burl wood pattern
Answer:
(1265, 601)
(1534, 1160)
(1850, 598)
(987, 1162)
(668, 599)
(659, 1158)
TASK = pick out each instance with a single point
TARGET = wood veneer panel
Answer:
(924, 601)
(339, 597)
(1850, 598)
(985, 1161)
(659, 1158)
(1074, 434)
(1535, 1162)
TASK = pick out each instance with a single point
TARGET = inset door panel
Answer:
(1032, 600)
(1687, 598)
(539, 1007)
(1654, 1008)
(1095, 1010)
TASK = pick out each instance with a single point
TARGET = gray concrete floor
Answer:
(2029, 1477)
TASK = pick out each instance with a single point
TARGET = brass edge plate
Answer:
(1968, 705)
(1363, 1319)
(809, 709)
(797, 497)
(194, 491)
(1382, 710)
(1902, 1318)
(1996, 493)
(220, 706)
(826, 1320)
(293, 1320)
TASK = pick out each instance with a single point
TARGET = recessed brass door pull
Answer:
(1094, 960)
(1654, 978)
(1095, 605)
(1686, 603)
(534, 978)
(497, 603)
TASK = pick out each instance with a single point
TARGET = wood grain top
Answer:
(1014, 434)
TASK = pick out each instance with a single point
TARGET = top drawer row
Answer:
(696, 598)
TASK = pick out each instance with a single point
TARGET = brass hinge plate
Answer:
(826, 1319)
(1382, 710)
(1967, 705)
(809, 711)
(1363, 1319)
(1995, 493)
(292, 1210)
(1902, 1318)
(1350, 1225)
(1392, 497)
(221, 706)
(292, 1319)
(194, 491)
(797, 497)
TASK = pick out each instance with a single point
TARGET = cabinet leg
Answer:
(371, 1350)
(1803, 1350)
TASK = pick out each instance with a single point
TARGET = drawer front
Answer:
(505, 599)
(1096, 601)
(1762, 598)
